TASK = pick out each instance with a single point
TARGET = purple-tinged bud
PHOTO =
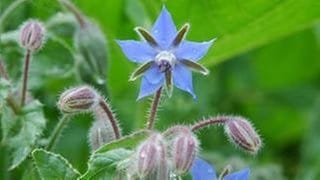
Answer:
(150, 159)
(32, 35)
(184, 150)
(78, 99)
(241, 133)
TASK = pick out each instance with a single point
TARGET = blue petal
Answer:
(193, 50)
(154, 75)
(148, 88)
(164, 29)
(136, 51)
(201, 170)
(239, 175)
(182, 79)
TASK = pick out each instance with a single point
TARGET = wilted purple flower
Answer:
(201, 170)
(166, 56)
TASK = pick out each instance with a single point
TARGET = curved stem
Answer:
(71, 7)
(154, 109)
(111, 118)
(57, 131)
(209, 122)
(25, 77)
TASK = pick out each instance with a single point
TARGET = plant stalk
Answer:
(25, 77)
(57, 131)
(154, 109)
(209, 122)
(111, 118)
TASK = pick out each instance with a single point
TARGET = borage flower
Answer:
(201, 170)
(166, 56)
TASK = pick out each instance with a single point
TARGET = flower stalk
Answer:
(25, 77)
(57, 132)
(154, 109)
(111, 118)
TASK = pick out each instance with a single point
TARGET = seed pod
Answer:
(32, 35)
(241, 133)
(78, 99)
(184, 150)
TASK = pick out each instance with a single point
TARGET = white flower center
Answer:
(165, 60)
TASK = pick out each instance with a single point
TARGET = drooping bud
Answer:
(184, 149)
(241, 133)
(78, 99)
(32, 35)
(150, 160)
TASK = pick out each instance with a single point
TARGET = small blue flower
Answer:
(201, 170)
(166, 56)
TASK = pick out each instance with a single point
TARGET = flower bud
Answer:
(151, 158)
(241, 133)
(100, 133)
(32, 35)
(78, 99)
(184, 150)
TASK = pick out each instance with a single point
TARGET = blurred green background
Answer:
(265, 65)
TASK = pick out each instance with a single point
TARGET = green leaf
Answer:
(106, 158)
(104, 165)
(24, 132)
(4, 91)
(53, 166)
(126, 142)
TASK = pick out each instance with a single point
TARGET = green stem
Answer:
(25, 77)
(9, 9)
(57, 131)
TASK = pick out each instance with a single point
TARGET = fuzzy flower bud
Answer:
(78, 99)
(100, 133)
(150, 159)
(241, 133)
(184, 149)
(32, 35)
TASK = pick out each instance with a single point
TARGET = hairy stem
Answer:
(154, 109)
(209, 122)
(3, 71)
(25, 77)
(57, 131)
(111, 118)
(71, 7)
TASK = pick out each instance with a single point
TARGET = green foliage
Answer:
(21, 132)
(106, 159)
(53, 166)
(4, 91)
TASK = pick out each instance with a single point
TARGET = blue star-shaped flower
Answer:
(166, 56)
(201, 170)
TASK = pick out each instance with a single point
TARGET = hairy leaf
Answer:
(53, 166)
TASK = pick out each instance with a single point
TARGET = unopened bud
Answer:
(78, 99)
(184, 150)
(151, 157)
(241, 133)
(100, 133)
(32, 35)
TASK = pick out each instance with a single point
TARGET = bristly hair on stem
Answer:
(154, 109)
(25, 77)
(3, 71)
(111, 118)
(210, 122)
